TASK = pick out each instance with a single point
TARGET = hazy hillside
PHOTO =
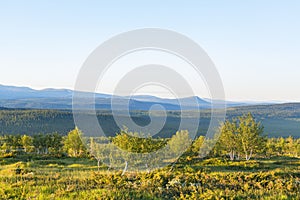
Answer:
(279, 120)
(24, 97)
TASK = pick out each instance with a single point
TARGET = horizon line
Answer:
(158, 96)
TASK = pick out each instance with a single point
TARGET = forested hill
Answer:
(279, 111)
(278, 120)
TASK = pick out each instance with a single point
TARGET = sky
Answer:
(255, 45)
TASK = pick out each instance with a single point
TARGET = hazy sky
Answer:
(255, 45)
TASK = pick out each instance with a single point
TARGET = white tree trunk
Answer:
(98, 163)
(125, 168)
(231, 155)
(249, 156)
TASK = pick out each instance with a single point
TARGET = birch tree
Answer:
(229, 141)
(250, 135)
(73, 143)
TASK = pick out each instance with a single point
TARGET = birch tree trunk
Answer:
(125, 168)
(98, 163)
(231, 155)
(248, 158)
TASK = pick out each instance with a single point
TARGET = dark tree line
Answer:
(239, 138)
(282, 119)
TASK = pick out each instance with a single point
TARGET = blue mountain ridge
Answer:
(25, 97)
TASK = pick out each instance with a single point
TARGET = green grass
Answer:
(215, 178)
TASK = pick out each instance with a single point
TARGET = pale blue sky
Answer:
(254, 44)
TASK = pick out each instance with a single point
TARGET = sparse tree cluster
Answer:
(241, 136)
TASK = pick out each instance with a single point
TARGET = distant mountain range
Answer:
(19, 114)
(25, 97)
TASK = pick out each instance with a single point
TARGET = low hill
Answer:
(279, 120)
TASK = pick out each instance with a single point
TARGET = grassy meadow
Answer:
(46, 177)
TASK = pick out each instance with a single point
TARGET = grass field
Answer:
(26, 177)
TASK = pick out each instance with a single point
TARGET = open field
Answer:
(31, 177)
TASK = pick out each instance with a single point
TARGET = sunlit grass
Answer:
(69, 178)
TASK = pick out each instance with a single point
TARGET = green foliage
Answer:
(48, 143)
(180, 142)
(241, 136)
(279, 120)
(73, 144)
(27, 143)
(250, 135)
(137, 142)
(101, 149)
(77, 178)
(283, 147)
(24, 121)
(229, 140)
